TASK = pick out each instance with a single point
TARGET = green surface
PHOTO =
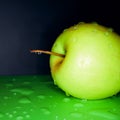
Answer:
(36, 98)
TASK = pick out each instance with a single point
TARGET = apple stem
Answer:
(47, 52)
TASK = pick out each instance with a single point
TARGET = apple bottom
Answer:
(89, 89)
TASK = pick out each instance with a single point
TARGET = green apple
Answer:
(89, 67)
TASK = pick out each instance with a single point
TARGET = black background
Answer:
(35, 24)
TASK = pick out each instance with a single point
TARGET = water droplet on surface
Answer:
(19, 118)
(27, 116)
(24, 100)
(75, 115)
(31, 109)
(7, 113)
(10, 115)
(51, 96)
(9, 85)
(1, 115)
(6, 97)
(78, 105)
(24, 112)
(84, 100)
(45, 111)
(66, 99)
(114, 109)
(56, 117)
(24, 91)
(34, 77)
(41, 96)
(104, 114)
(54, 105)
(14, 112)
(64, 119)
(13, 79)
(14, 93)
(26, 83)
(5, 104)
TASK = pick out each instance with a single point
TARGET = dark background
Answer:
(35, 24)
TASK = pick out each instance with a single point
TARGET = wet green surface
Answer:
(36, 98)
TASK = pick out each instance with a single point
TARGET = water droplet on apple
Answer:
(110, 46)
(24, 100)
(81, 23)
(55, 82)
(65, 30)
(67, 94)
(74, 40)
(55, 45)
(95, 30)
(110, 30)
(107, 33)
(95, 23)
(75, 27)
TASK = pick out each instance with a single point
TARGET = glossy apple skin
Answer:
(91, 66)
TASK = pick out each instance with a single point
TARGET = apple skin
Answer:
(91, 66)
